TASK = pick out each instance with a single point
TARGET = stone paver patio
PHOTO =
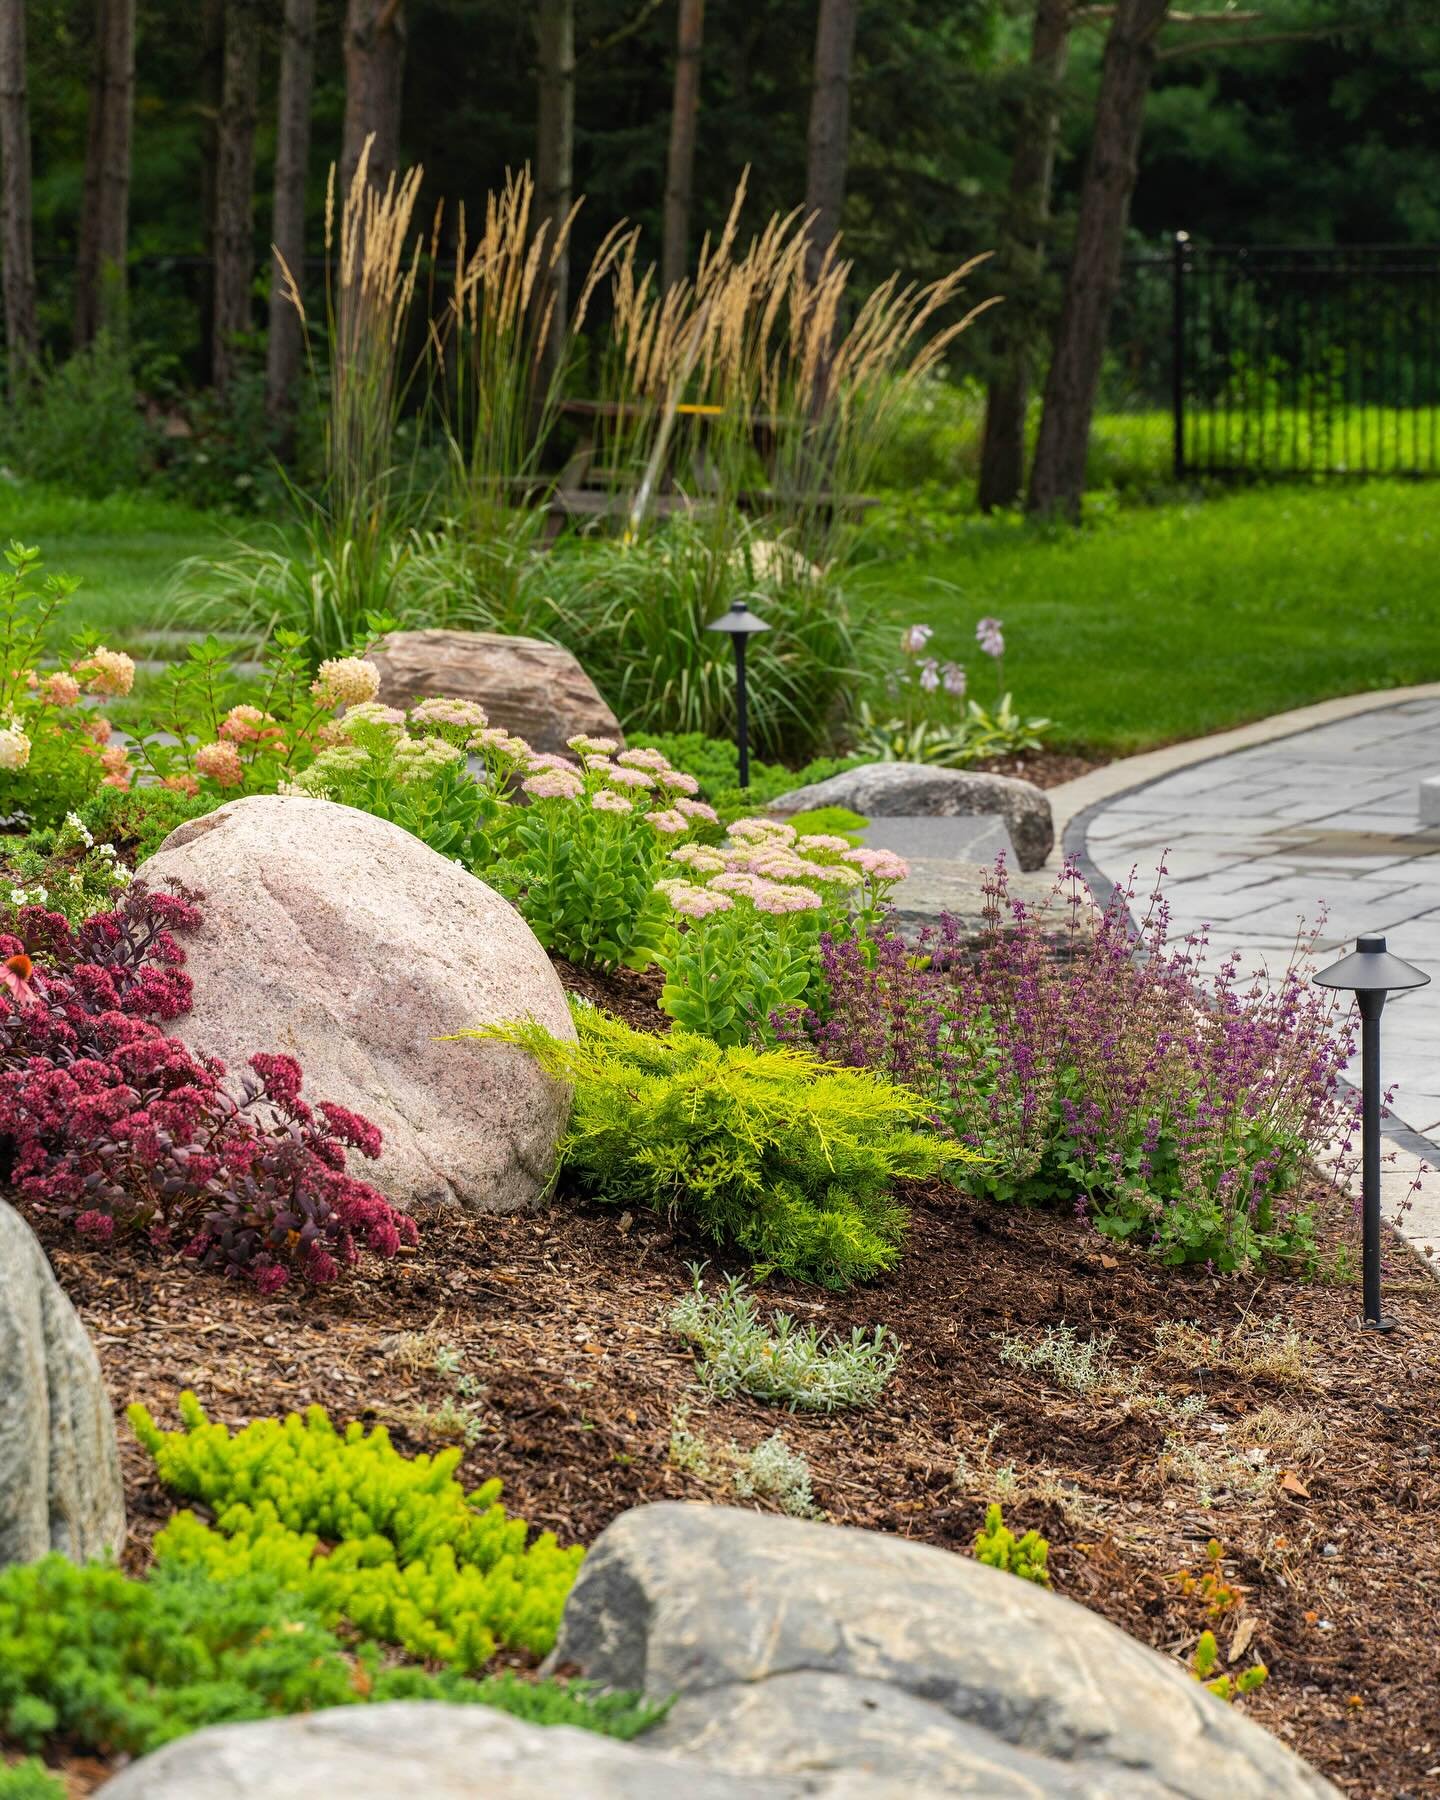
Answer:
(1256, 840)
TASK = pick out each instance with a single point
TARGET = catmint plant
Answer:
(1167, 1099)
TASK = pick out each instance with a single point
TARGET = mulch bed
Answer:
(561, 1316)
(1046, 768)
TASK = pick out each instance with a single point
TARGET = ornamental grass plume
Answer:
(1167, 1099)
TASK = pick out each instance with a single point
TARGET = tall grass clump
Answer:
(343, 554)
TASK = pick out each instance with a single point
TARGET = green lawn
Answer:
(1165, 623)
(1150, 625)
(124, 549)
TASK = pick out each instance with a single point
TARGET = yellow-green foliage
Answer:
(998, 1546)
(790, 1159)
(1224, 1687)
(393, 1544)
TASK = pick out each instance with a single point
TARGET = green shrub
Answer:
(828, 821)
(739, 1354)
(789, 1160)
(413, 1559)
(998, 1546)
(29, 1779)
(138, 820)
(81, 425)
(91, 1658)
(62, 868)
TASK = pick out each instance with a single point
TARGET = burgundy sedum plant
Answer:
(1108, 1067)
(110, 1124)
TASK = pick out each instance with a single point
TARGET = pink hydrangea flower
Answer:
(108, 672)
(60, 689)
(221, 762)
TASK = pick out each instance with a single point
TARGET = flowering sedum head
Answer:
(553, 784)
(879, 865)
(626, 777)
(386, 722)
(346, 681)
(697, 809)
(755, 831)
(607, 800)
(417, 759)
(670, 822)
(463, 715)
(695, 902)
(678, 781)
(592, 746)
(654, 760)
(699, 857)
(823, 841)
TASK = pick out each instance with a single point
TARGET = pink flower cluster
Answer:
(765, 863)
(113, 1125)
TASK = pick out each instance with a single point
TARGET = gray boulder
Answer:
(916, 790)
(535, 689)
(801, 1648)
(426, 1749)
(59, 1463)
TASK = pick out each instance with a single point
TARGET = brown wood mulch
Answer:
(1046, 768)
(1320, 1479)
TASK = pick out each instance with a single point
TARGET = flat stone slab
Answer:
(977, 840)
(1430, 800)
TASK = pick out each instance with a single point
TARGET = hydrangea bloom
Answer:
(60, 689)
(220, 762)
(98, 728)
(346, 681)
(242, 724)
(182, 784)
(109, 671)
(115, 761)
(14, 747)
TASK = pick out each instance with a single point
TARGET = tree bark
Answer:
(235, 189)
(287, 227)
(1057, 482)
(555, 155)
(210, 86)
(1002, 452)
(17, 243)
(680, 162)
(105, 220)
(374, 82)
(828, 140)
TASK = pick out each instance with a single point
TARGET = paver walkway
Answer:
(1256, 840)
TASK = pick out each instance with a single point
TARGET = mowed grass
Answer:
(124, 549)
(1169, 622)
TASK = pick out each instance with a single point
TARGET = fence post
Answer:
(1177, 354)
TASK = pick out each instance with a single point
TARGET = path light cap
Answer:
(1370, 968)
(739, 621)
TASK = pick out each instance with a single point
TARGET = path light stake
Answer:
(1371, 973)
(740, 622)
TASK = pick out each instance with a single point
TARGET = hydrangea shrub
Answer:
(112, 1125)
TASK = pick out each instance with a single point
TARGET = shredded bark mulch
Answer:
(1046, 768)
(1316, 1471)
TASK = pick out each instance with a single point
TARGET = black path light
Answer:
(1371, 973)
(740, 623)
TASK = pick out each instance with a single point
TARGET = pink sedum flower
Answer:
(607, 800)
(697, 902)
(678, 780)
(818, 841)
(783, 899)
(587, 747)
(654, 760)
(697, 809)
(879, 865)
(554, 784)
(670, 822)
(625, 777)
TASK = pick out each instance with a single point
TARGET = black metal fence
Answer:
(1305, 362)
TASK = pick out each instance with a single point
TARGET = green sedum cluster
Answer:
(391, 1545)
(29, 1779)
(997, 1545)
(789, 1159)
(91, 1658)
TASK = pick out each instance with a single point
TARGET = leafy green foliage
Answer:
(138, 820)
(91, 1657)
(739, 1354)
(62, 868)
(998, 1546)
(79, 423)
(29, 1779)
(791, 1162)
(1224, 1686)
(828, 821)
(414, 1559)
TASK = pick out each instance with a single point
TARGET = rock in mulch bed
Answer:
(1246, 1409)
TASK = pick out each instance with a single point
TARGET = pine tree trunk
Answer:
(287, 228)
(1002, 453)
(105, 222)
(374, 84)
(1057, 481)
(828, 140)
(209, 86)
(680, 163)
(235, 188)
(555, 154)
(17, 247)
